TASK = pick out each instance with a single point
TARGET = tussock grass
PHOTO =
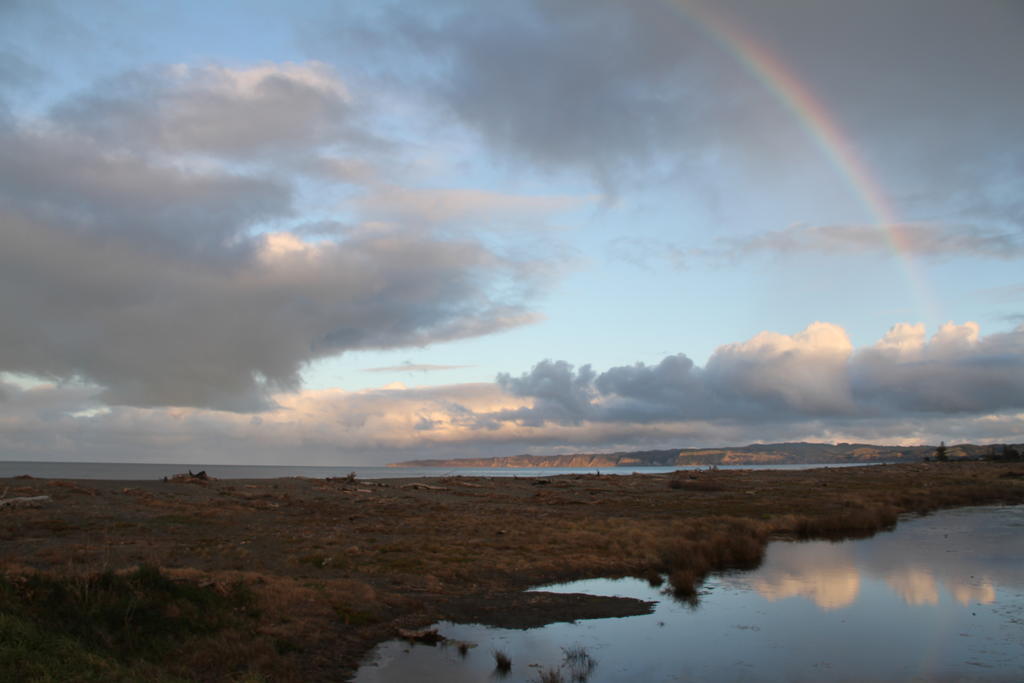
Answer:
(553, 675)
(708, 546)
(502, 663)
(578, 662)
(653, 577)
(854, 522)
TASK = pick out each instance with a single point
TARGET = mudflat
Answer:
(330, 567)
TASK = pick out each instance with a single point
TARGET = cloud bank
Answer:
(150, 248)
(816, 373)
(956, 385)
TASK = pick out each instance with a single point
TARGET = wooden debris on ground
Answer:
(200, 477)
(424, 487)
(22, 501)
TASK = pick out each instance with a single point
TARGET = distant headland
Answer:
(755, 454)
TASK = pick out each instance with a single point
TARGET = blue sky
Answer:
(349, 233)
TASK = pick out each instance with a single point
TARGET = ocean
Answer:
(144, 471)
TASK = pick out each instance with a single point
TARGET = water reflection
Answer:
(915, 586)
(939, 598)
(821, 572)
(957, 552)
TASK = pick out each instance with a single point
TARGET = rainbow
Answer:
(820, 124)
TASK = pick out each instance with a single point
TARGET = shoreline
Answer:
(338, 565)
(140, 472)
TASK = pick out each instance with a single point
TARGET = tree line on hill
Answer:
(994, 452)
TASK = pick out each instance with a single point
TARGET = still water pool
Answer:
(940, 598)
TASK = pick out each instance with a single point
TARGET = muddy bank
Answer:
(338, 565)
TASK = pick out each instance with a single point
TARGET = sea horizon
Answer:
(151, 471)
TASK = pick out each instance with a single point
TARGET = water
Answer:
(939, 599)
(144, 471)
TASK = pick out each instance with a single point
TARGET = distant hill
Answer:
(756, 454)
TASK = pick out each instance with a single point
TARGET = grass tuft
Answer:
(551, 676)
(579, 663)
(501, 661)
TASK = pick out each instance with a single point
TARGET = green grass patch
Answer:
(108, 626)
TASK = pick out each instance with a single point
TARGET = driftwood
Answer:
(24, 502)
(425, 487)
(200, 477)
(468, 485)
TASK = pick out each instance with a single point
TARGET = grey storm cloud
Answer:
(621, 90)
(269, 111)
(562, 393)
(582, 85)
(953, 373)
(169, 283)
(70, 422)
(76, 184)
(156, 329)
(779, 378)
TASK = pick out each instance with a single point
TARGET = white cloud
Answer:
(956, 371)
(776, 378)
(805, 372)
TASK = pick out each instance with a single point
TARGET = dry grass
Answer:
(334, 567)
(687, 481)
(852, 522)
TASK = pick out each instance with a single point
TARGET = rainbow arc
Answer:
(820, 124)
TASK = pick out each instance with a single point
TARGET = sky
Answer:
(352, 233)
